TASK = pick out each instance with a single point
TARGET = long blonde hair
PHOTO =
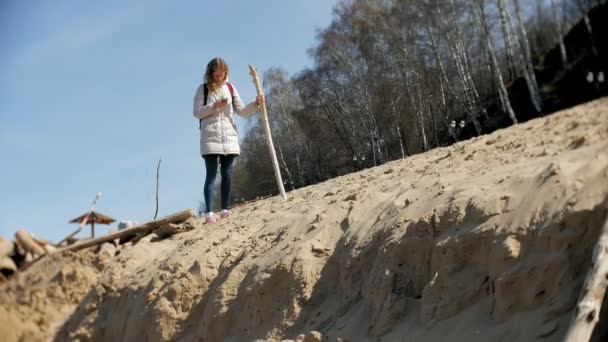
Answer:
(215, 64)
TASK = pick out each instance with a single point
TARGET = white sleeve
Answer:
(201, 110)
(240, 108)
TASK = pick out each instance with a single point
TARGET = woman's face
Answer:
(218, 75)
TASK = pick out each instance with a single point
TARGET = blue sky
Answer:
(93, 93)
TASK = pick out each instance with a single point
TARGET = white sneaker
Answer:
(209, 218)
(224, 213)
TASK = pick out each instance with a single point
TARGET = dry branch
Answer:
(42, 242)
(587, 311)
(144, 229)
(157, 180)
(277, 172)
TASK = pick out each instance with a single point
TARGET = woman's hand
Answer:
(259, 100)
(220, 103)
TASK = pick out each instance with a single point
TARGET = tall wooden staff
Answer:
(273, 154)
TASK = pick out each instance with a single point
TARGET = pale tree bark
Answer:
(417, 132)
(505, 27)
(421, 106)
(460, 59)
(289, 177)
(446, 116)
(395, 113)
(528, 67)
(534, 44)
(467, 65)
(478, 10)
(457, 58)
(560, 34)
(433, 123)
(416, 104)
(584, 11)
(425, 143)
(444, 77)
(372, 138)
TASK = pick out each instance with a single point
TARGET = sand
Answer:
(486, 240)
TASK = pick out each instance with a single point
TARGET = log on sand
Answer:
(6, 247)
(141, 229)
(587, 312)
(28, 243)
(7, 266)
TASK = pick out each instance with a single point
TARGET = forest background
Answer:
(399, 77)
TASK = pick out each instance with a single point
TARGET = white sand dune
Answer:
(485, 240)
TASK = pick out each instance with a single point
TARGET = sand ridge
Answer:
(487, 239)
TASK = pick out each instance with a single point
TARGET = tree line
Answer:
(392, 78)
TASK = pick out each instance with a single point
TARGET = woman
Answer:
(215, 103)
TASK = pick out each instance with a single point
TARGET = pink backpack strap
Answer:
(230, 88)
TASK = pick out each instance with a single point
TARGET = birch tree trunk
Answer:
(584, 10)
(505, 27)
(456, 56)
(444, 109)
(444, 77)
(460, 60)
(478, 10)
(467, 64)
(421, 106)
(529, 73)
(434, 124)
(560, 34)
(285, 166)
(371, 136)
(417, 108)
(395, 113)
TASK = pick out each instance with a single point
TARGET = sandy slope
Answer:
(488, 239)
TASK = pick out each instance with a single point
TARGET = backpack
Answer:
(206, 92)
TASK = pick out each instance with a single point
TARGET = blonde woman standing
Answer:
(215, 104)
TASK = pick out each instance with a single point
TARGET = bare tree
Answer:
(505, 26)
(460, 58)
(528, 67)
(584, 6)
(478, 10)
(560, 34)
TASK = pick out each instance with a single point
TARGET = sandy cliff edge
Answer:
(487, 239)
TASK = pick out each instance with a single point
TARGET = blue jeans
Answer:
(211, 161)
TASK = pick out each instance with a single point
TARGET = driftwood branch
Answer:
(144, 229)
(590, 301)
(277, 172)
